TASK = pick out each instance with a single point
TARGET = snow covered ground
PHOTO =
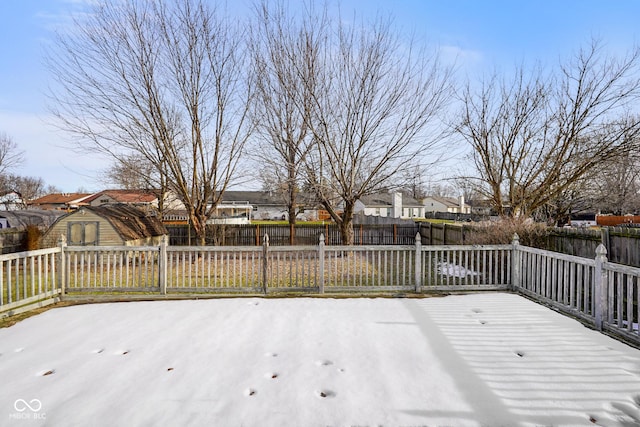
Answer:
(474, 360)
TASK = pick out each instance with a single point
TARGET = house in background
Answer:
(263, 205)
(391, 205)
(108, 225)
(11, 201)
(139, 198)
(60, 201)
(446, 204)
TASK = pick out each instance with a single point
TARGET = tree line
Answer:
(177, 93)
(11, 158)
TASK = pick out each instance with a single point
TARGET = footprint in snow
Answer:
(271, 375)
(98, 350)
(121, 352)
(46, 372)
(271, 355)
(250, 392)
(324, 363)
(482, 322)
(323, 394)
(519, 353)
(476, 310)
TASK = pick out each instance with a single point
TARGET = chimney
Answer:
(462, 209)
(396, 204)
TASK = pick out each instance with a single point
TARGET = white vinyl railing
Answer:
(28, 278)
(602, 294)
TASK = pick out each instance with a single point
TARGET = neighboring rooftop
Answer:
(60, 199)
(126, 196)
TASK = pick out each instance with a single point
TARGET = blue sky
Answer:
(482, 35)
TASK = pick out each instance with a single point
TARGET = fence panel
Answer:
(293, 270)
(27, 277)
(214, 269)
(622, 313)
(466, 267)
(369, 268)
(305, 234)
(564, 281)
(112, 269)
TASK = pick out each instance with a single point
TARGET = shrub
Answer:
(32, 238)
(501, 232)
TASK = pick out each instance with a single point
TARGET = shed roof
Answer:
(130, 222)
(39, 217)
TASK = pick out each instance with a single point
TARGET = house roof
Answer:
(447, 201)
(263, 198)
(126, 196)
(130, 222)
(60, 198)
(385, 200)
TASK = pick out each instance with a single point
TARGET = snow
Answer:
(454, 270)
(473, 360)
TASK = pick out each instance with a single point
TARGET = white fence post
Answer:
(321, 264)
(62, 268)
(162, 264)
(418, 262)
(265, 262)
(600, 283)
(516, 273)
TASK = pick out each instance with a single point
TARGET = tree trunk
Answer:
(292, 224)
(199, 223)
(346, 225)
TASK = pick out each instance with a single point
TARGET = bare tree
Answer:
(615, 187)
(133, 173)
(162, 80)
(10, 155)
(534, 136)
(285, 55)
(374, 101)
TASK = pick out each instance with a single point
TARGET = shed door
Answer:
(83, 233)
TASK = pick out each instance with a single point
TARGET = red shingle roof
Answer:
(60, 198)
(126, 196)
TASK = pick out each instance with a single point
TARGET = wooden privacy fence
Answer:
(305, 234)
(603, 294)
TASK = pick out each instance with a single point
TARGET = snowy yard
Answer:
(474, 360)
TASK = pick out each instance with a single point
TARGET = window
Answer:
(83, 233)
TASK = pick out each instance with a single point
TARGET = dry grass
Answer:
(502, 232)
